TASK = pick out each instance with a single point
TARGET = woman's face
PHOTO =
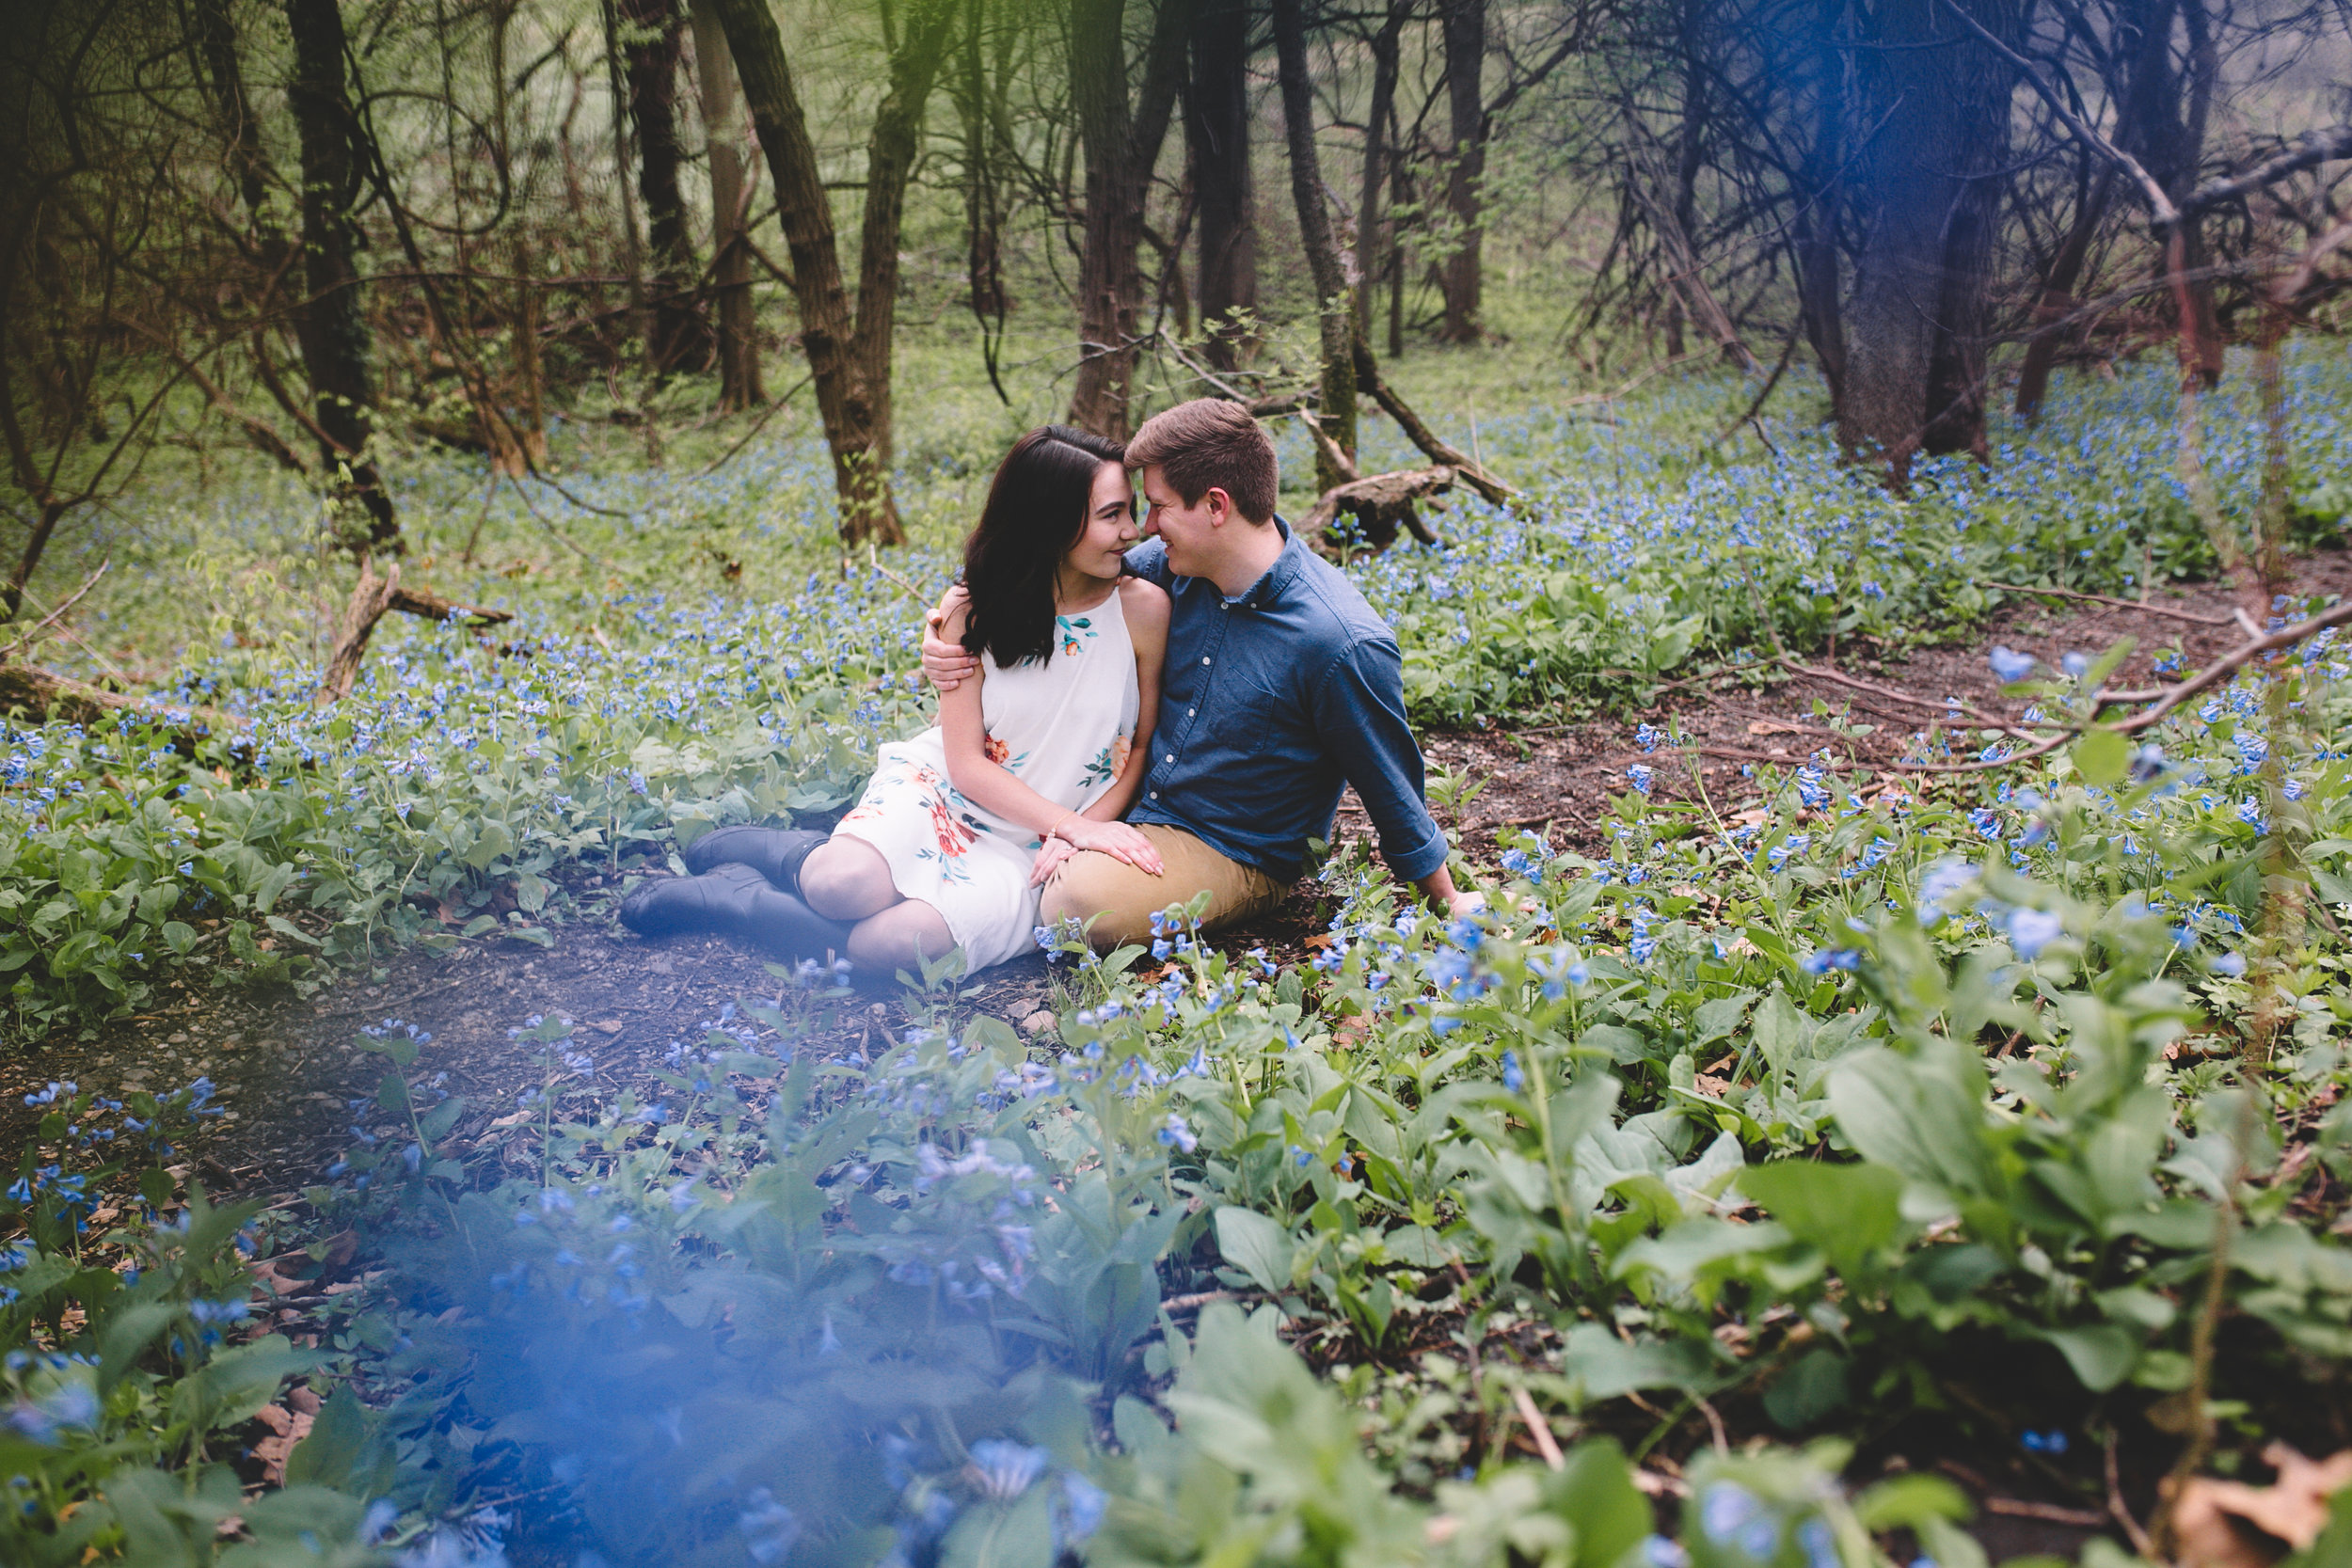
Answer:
(1110, 526)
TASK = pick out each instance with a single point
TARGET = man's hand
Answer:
(946, 664)
(1438, 887)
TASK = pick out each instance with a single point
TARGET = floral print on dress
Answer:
(1001, 754)
(1075, 630)
(1109, 761)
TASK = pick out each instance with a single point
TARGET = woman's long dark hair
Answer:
(1036, 506)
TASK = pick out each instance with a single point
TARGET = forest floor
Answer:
(287, 1065)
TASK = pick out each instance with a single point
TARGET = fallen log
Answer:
(41, 694)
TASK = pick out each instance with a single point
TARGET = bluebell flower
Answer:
(1514, 1077)
(2031, 930)
(2010, 665)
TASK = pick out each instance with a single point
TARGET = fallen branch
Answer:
(432, 607)
(2121, 604)
(58, 614)
(2161, 701)
(1381, 505)
(371, 598)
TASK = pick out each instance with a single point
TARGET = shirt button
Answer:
(1170, 757)
(1204, 659)
(1191, 712)
(1155, 794)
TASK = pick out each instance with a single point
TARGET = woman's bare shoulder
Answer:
(1143, 602)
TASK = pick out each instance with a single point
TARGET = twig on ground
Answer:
(2142, 1543)
(2121, 604)
(2019, 1508)
(1538, 1428)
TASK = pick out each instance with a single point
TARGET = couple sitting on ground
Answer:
(1123, 726)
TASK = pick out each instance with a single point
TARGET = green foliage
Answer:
(132, 1358)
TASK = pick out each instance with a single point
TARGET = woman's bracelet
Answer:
(1054, 831)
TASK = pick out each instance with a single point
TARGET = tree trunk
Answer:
(2057, 292)
(331, 326)
(1371, 239)
(1122, 145)
(891, 146)
(739, 338)
(519, 445)
(1216, 127)
(241, 129)
(1918, 351)
(849, 361)
(1814, 232)
(2165, 109)
(678, 337)
(1464, 26)
(1335, 408)
(979, 102)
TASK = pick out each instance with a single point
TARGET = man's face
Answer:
(1192, 534)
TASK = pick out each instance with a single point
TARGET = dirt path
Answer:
(286, 1067)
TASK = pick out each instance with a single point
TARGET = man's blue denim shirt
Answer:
(1269, 704)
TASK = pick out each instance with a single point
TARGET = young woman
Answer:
(1048, 745)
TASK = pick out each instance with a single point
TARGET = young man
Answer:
(1281, 686)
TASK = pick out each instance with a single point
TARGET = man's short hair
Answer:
(1210, 442)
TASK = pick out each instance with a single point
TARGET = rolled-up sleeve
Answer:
(1360, 717)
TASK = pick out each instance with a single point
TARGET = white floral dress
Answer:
(1063, 726)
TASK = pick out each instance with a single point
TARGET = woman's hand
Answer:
(1115, 839)
(1049, 860)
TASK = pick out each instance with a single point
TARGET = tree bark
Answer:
(848, 359)
(740, 385)
(519, 445)
(1216, 127)
(2057, 292)
(891, 146)
(1463, 24)
(1917, 353)
(2165, 106)
(678, 337)
(1335, 298)
(1372, 238)
(979, 103)
(1122, 144)
(1820, 204)
(332, 328)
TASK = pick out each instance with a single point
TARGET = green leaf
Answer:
(1594, 1492)
(2102, 1356)
(2101, 757)
(1256, 1246)
(1849, 1212)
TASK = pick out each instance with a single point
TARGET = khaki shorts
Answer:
(1122, 901)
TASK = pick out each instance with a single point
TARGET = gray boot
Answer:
(775, 853)
(734, 901)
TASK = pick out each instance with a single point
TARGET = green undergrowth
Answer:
(697, 651)
(1991, 1115)
(1934, 1121)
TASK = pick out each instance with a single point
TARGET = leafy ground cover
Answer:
(1798, 1158)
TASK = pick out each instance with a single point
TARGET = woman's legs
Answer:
(900, 937)
(846, 879)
